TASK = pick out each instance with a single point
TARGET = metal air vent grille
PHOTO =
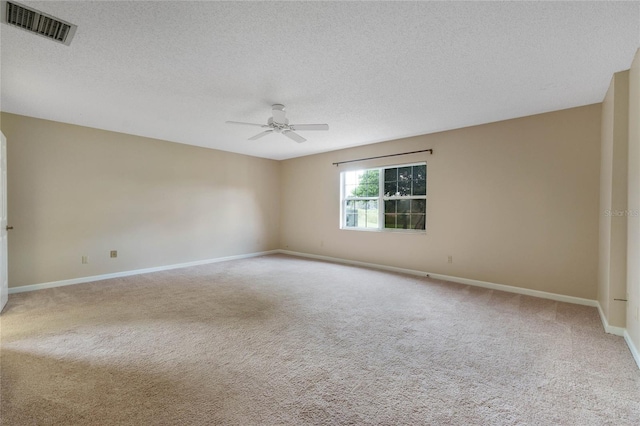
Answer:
(36, 22)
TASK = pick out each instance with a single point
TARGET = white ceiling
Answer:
(373, 71)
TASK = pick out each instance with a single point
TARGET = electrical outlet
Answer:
(114, 253)
(85, 260)
(450, 259)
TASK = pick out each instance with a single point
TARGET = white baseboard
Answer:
(618, 331)
(632, 348)
(82, 280)
(467, 281)
(477, 283)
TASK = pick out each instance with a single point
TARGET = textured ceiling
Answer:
(373, 71)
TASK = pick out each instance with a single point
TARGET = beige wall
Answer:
(633, 221)
(612, 271)
(75, 191)
(514, 202)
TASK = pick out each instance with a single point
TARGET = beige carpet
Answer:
(287, 341)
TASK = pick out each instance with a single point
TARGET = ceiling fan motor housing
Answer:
(279, 115)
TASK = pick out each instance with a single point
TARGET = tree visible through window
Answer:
(362, 189)
(385, 198)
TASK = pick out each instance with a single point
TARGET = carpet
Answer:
(280, 340)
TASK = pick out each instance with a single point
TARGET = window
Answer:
(384, 198)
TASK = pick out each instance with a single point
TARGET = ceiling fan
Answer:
(279, 123)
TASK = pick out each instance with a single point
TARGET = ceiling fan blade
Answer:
(246, 124)
(309, 126)
(291, 135)
(259, 135)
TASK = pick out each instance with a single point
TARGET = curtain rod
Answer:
(430, 151)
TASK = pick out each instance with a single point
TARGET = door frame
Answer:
(4, 240)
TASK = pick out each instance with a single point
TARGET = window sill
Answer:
(385, 231)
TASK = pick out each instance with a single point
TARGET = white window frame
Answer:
(380, 198)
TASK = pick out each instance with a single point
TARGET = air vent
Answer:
(36, 22)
